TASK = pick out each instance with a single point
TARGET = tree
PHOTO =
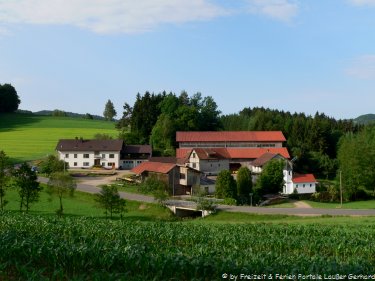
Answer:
(271, 179)
(226, 185)
(88, 116)
(52, 165)
(244, 184)
(110, 200)
(25, 180)
(125, 120)
(109, 111)
(9, 100)
(100, 136)
(59, 113)
(356, 162)
(4, 178)
(61, 184)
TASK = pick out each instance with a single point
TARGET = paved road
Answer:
(89, 187)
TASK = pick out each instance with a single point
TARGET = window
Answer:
(194, 165)
(67, 155)
(75, 164)
(111, 156)
(86, 164)
(296, 185)
(86, 156)
(110, 164)
(310, 185)
(303, 185)
(75, 155)
(103, 155)
(182, 176)
(194, 155)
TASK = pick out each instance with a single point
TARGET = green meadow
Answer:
(26, 137)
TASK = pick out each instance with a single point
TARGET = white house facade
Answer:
(110, 154)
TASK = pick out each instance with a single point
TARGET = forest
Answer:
(320, 144)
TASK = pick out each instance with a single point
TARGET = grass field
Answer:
(28, 137)
(83, 204)
(370, 204)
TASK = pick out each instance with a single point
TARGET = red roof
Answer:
(303, 178)
(230, 136)
(157, 167)
(253, 153)
(241, 153)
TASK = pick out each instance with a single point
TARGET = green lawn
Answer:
(370, 204)
(28, 137)
(83, 204)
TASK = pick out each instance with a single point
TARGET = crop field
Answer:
(26, 137)
(46, 248)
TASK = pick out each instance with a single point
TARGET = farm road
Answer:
(91, 186)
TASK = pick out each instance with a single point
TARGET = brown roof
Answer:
(138, 149)
(263, 159)
(157, 167)
(163, 159)
(211, 153)
(89, 145)
(231, 136)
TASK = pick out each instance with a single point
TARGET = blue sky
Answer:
(295, 55)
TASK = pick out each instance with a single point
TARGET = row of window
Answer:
(304, 185)
(86, 155)
(87, 164)
(189, 145)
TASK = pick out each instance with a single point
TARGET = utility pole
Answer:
(340, 190)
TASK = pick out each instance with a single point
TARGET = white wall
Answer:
(308, 187)
(76, 159)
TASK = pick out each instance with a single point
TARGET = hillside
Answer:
(26, 137)
(365, 119)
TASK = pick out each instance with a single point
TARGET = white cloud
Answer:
(362, 68)
(283, 10)
(363, 2)
(109, 16)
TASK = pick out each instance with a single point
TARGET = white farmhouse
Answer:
(113, 154)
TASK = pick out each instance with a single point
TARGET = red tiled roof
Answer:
(301, 178)
(230, 136)
(254, 153)
(183, 152)
(157, 167)
(241, 153)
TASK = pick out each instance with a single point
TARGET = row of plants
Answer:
(48, 248)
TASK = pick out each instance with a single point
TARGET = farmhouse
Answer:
(113, 154)
(212, 152)
(179, 179)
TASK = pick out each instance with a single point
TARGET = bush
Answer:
(230, 201)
